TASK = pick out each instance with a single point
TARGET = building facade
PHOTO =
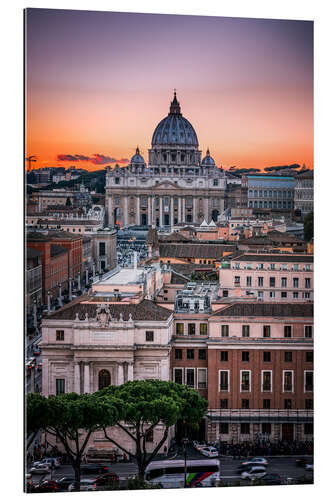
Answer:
(34, 278)
(177, 186)
(304, 193)
(274, 193)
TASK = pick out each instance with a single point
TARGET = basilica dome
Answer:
(137, 158)
(208, 161)
(174, 129)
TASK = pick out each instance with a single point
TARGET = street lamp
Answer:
(185, 443)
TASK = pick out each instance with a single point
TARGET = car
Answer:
(271, 478)
(40, 469)
(256, 472)
(102, 482)
(85, 485)
(256, 461)
(309, 467)
(65, 482)
(45, 487)
(94, 468)
(200, 445)
(209, 451)
(51, 462)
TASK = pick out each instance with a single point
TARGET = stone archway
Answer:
(104, 379)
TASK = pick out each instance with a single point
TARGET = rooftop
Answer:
(266, 257)
(267, 309)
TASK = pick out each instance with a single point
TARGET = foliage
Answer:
(308, 227)
(143, 404)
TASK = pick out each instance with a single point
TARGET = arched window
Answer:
(104, 379)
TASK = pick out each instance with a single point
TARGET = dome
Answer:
(208, 160)
(175, 129)
(137, 158)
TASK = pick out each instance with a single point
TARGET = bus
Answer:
(171, 473)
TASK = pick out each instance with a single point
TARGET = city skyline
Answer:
(246, 85)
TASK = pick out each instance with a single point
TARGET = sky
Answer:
(98, 83)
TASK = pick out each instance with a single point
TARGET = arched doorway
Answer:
(104, 379)
(215, 214)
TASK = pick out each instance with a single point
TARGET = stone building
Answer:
(275, 193)
(34, 281)
(304, 192)
(177, 186)
(104, 249)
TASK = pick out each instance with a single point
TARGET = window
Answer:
(117, 180)
(267, 356)
(180, 328)
(104, 379)
(266, 331)
(288, 356)
(202, 354)
(295, 282)
(191, 329)
(308, 331)
(283, 282)
(225, 330)
(248, 281)
(202, 378)
(224, 380)
(203, 328)
(266, 428)
(287, 404)
(245, 381)
(245, 356)
(237, 280)
(296, 267)
(309, 356)
(306, 295)
(149, 336)
(288, 381)
(272, 267)
(272, 295)
(224, 428)
(266, 404)
(225, 293)
(190, 353)
(260, 266)
(260, 295)
(245, 330)
(223, 404)
(178, 354)
(272, 282)
(266, 380)
(309, 404)
(295, 295)
(308, 428)
(215, 182)
(308, 381)
(178, 375)
(307, 282)
(283, 295)
(245, 404)
(60, 386)
(190, 377)
(224, 355)
(260, 281)
(101, 248)
(150, 436)
(60, 335)
(245, 428)
(287, 331)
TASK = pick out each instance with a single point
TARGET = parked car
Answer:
(102, 482)
(40, 469)
(65, 482)
(271, 478)
(85, 485)
(95, 469)
(45, 487)
(198, 446)
(51, 462)
(209, 451)
(256, 461)
(256, 472)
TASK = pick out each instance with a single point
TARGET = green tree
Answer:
(144, 404)
(71, 418)
(308, 227)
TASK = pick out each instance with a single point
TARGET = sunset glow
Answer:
(98, 83)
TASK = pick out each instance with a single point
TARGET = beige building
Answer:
(177, 186)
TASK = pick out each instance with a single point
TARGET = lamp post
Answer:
(185, 443)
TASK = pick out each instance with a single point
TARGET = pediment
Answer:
(166, 185)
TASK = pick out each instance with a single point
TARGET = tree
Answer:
(71, 418)
(144, 404)
(308, 227)
(36, 413)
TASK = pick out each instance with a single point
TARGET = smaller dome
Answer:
(137, 158)
(208, 161)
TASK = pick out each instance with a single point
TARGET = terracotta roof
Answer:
(177, 237)
(145, 310)
(267, 309)
(190, 267)
(52, 235)
(196, 250)
(274, 258)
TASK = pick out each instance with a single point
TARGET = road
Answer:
(285, 466)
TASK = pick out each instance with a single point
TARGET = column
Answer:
(130, 371)
(183, 210)
(86, 378)
(179, 206)
(149, 210)
(77, 381)
(120, 373)
(206, 210)
(153, 220)
(171, 213)
(161, 211)
(138, 211)
(110, 210)
(125, 218)
(194, 209)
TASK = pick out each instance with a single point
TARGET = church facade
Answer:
(176, 187)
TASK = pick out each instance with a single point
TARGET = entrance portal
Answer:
(288, 432)
(166, 219)
(143, 219)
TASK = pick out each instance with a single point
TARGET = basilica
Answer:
(176, 187)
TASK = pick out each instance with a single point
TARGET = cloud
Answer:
(96, 159)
